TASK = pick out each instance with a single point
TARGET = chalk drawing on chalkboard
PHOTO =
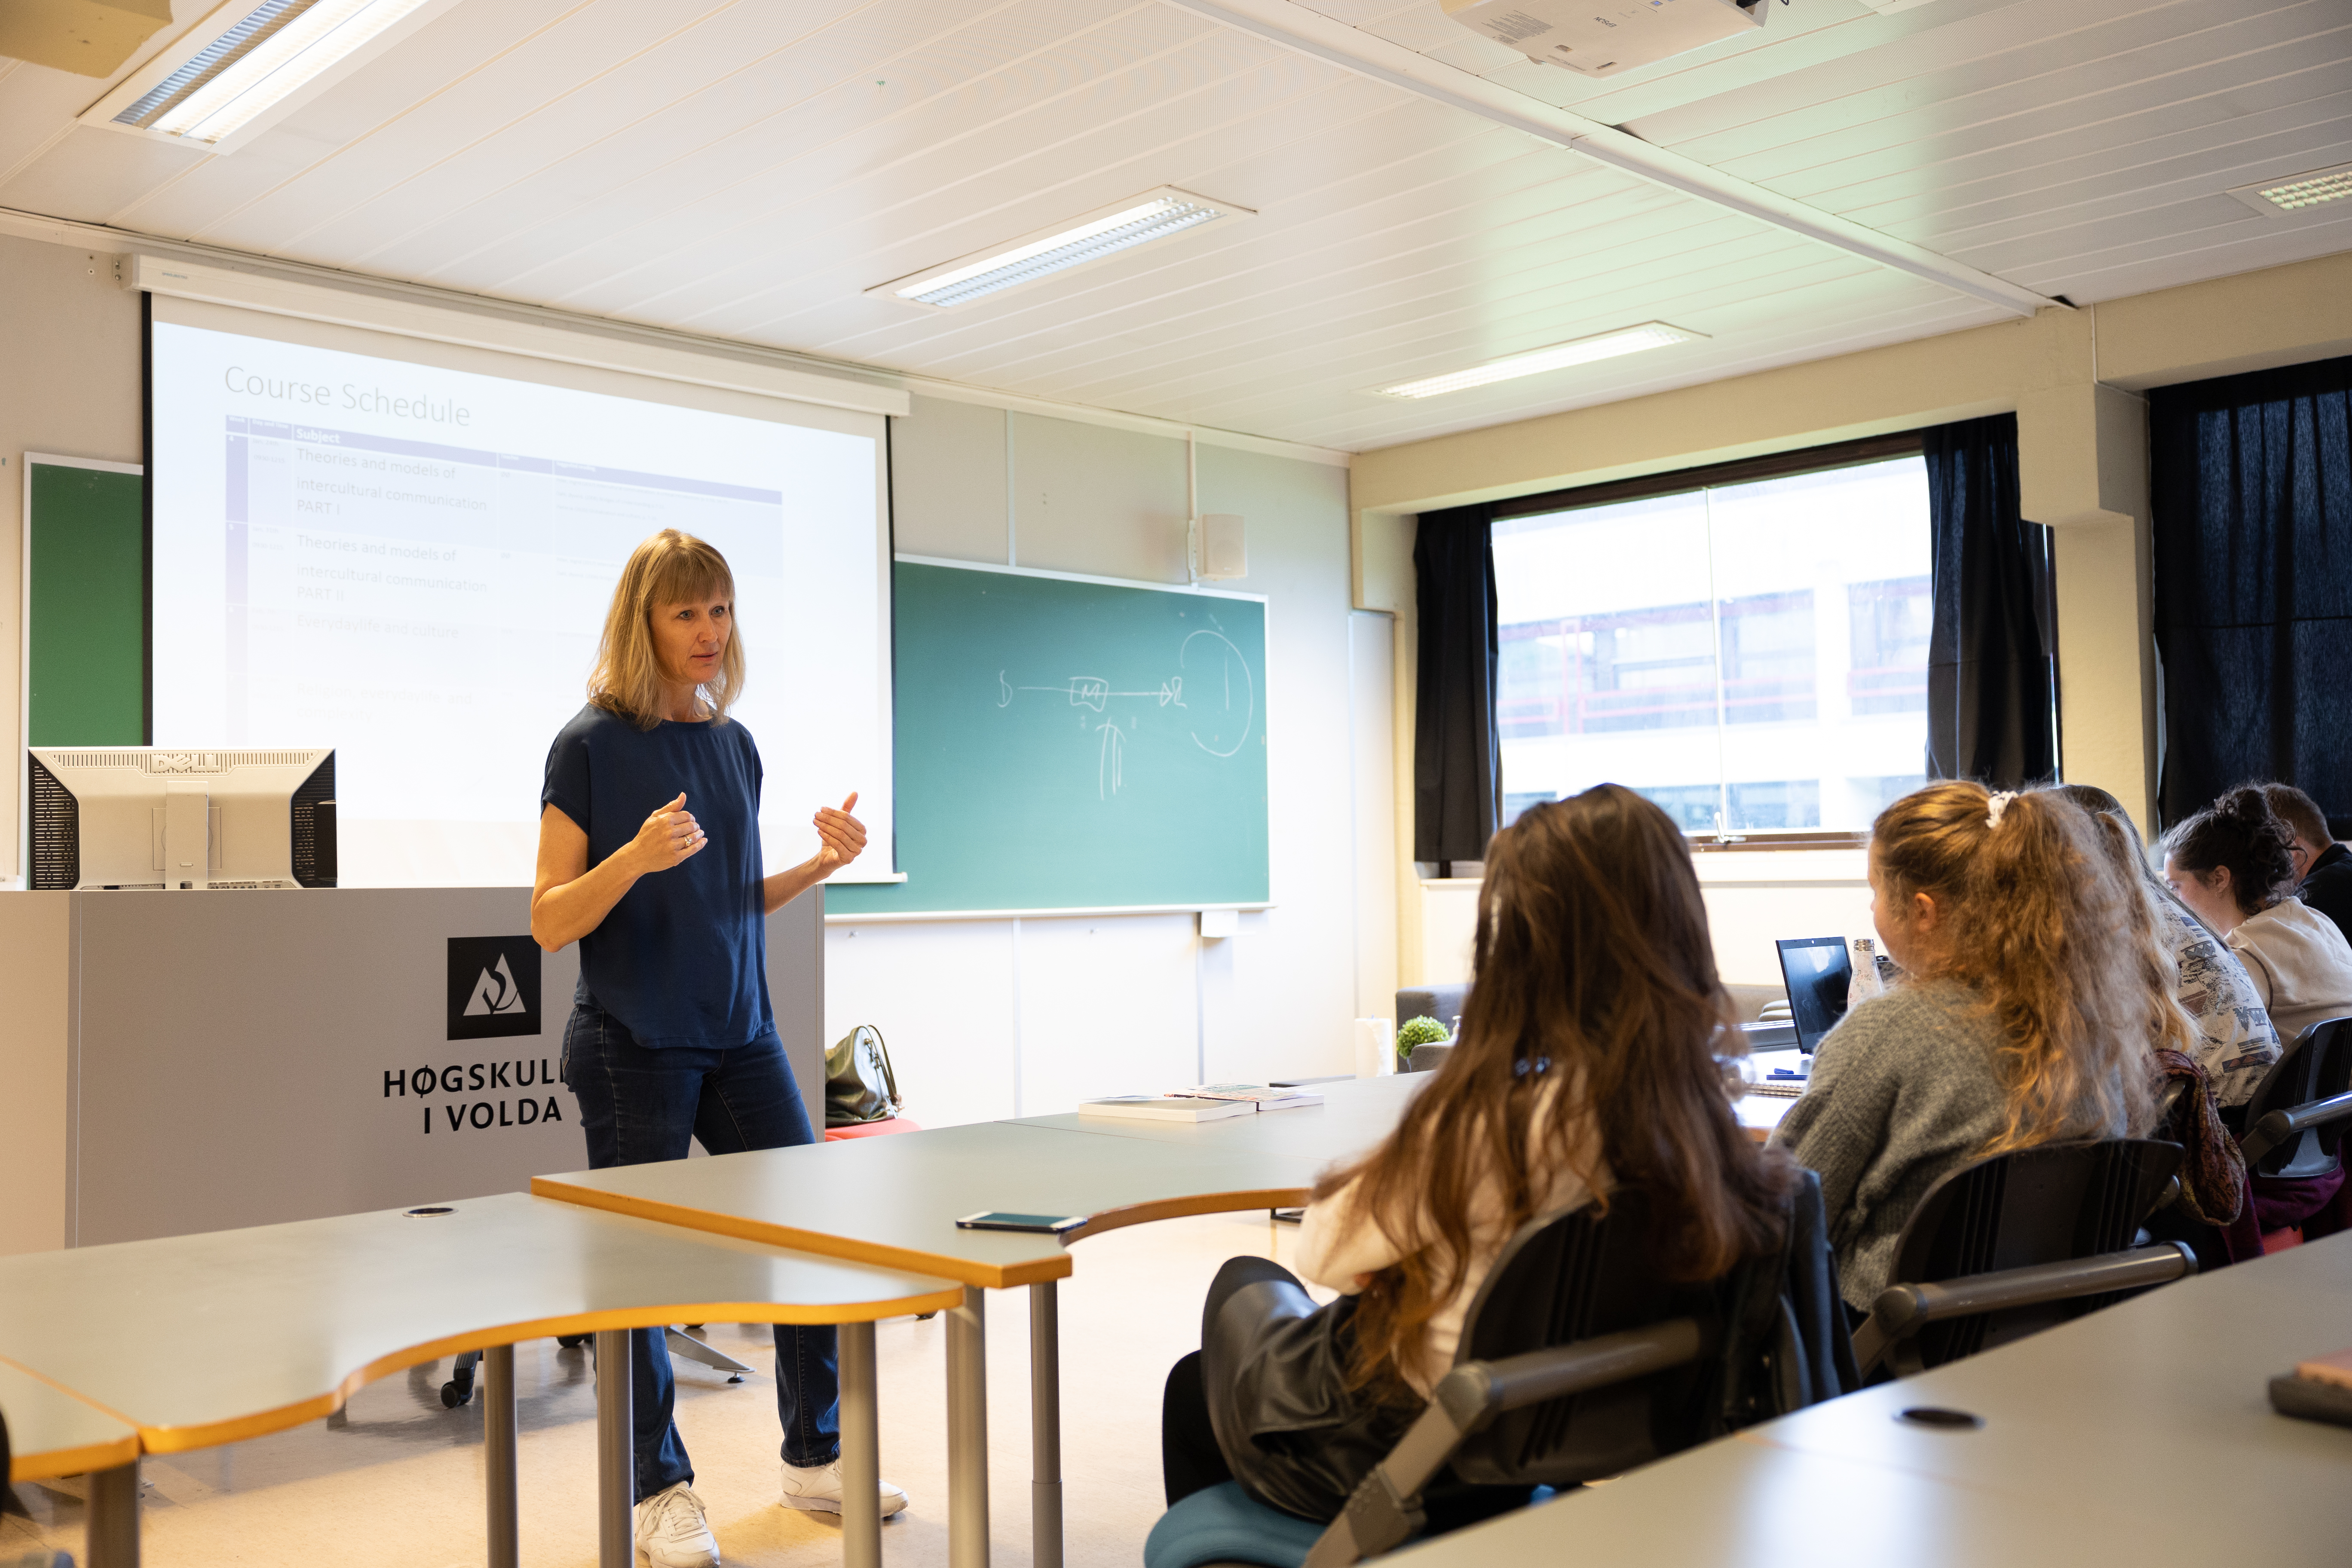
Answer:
(1218, 661)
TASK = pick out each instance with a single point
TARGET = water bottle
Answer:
(1866, 982)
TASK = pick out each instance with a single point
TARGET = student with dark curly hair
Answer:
(2234, 864)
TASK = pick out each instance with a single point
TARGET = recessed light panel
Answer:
(1097, 236)
(2297, 192)
(231, 71)
(1536, 362)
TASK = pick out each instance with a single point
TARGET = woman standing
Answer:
(649, 859)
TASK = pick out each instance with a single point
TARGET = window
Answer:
(1751, 654)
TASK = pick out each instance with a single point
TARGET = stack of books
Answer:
(1207, 1102)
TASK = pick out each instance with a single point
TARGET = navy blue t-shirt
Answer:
(682, 960)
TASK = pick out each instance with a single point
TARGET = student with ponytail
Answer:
(2020, 1019)
(2234, 863)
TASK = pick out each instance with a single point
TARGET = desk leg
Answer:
(968, 1432)
(498, 1422)
(616, 1466)
(861, 1451)
(1046, 1425)
(112, 1521)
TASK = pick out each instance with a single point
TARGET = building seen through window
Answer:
(1750, 657)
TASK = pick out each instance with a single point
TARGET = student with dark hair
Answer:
(2323, 867)
(2234, 863)
(2233, 1040)
(1586, 1063)
(2019, 1020)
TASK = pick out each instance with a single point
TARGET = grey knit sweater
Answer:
(1903, 1092)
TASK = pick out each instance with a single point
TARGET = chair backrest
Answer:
(1580, 1275)
(2049, 1205)
(2315, 1065)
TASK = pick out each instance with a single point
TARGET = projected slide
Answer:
(412, 564)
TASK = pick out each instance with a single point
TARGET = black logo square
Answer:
(493, 987)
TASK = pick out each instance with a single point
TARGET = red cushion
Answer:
(870, 1128)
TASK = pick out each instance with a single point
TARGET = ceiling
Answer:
(745, 169)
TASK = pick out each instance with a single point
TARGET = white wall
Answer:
(69, 386)
(1753, 900)
(991, 1018)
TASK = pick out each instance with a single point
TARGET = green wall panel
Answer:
(87, 668)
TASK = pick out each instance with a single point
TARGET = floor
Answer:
(394, 1479)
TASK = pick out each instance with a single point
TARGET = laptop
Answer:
(1817, 971)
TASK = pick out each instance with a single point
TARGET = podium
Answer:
(191, 1061)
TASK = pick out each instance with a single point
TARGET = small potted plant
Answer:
(1418, 1032)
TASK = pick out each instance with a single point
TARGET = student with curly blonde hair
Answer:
(2020, 1019)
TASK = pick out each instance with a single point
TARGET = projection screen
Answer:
(405, 550)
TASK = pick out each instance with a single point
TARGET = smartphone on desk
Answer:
(1035, 1223)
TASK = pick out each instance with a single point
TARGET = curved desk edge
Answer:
(1184, 1208)
(214, 1434)
(907, 1259)
(80, 1454)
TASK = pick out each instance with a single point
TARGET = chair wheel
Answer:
(457, 1391)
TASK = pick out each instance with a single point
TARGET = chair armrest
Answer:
(1901, 1311)
(1384, 1510)
(2281, 1125)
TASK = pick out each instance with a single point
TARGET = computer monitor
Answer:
(155, 817)
(1817, 972)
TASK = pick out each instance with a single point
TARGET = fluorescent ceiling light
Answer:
(2297, 192)
(1155, 214)
(245, 60)
(1535, 362)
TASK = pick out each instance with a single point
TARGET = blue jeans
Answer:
(637, 1106)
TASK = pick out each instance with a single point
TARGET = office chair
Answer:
(2295, 1128)
(2294, 1120)
(2017, 1243)
(1577, 1361)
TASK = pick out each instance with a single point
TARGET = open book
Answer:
(1265, 1097)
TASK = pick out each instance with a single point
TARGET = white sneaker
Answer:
(817, 1488)
(672, 1531)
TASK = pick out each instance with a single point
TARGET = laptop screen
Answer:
(1816, 971)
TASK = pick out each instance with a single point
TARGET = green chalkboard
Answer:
(85, 607)
(1073, 744)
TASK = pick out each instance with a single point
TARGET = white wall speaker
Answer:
(1219, 548)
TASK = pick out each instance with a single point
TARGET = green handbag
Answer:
(858, 1083)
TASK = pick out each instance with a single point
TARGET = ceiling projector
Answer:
(1604, 37)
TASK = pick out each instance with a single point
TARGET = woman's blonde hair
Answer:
(670, 568)
(2040, 922)
(1595, 981)
(2169, 1026)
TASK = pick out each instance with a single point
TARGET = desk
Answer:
(2160, 1405)
(893, 1202)
(2141, 1434)
(197, 1341)
(51, 1434)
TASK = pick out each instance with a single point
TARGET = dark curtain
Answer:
(1457, 757)
(1992, 651)
(2253, 508)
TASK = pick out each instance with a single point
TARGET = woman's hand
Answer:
(669, 835)
(841, 838)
